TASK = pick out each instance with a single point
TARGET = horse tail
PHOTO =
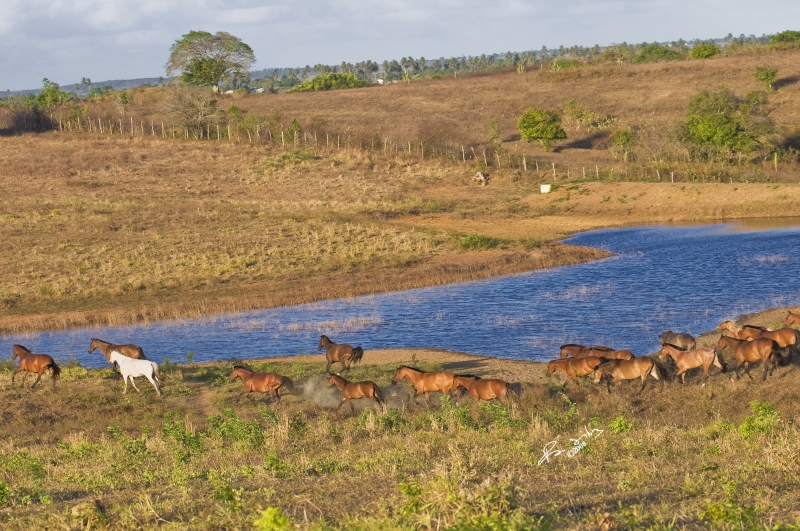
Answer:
(511, 390)
(718, 359)
(141, 353)
(155, 371)
(358, 353)
(55, 370)
(288, 384)
(379, 398)
(658, 371)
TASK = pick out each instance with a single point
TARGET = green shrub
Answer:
(655, 53)
(4, 490)
(704, 51)
(763, 419)
(235, 429)
(542, 125)
(472, 242)
(330, 81)
(729, 515)
(620, 424)
(271, 519)
(718, 124)
(767, 75)
(561, 64)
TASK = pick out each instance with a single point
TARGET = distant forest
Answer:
(274, 80)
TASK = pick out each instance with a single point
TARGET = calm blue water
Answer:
(680, 278)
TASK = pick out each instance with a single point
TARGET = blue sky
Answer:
(65, 40)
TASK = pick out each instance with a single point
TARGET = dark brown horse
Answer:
(747, 352)
(619, 370)
(425, 382)
(691, 359)
(574, 368)
(792, 318)
(38, 363)
(682, 341)
(129, 350)
(344, 354)
(355, 390)
(262, 382)
(484, 388)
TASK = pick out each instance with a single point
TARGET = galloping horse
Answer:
(132, 351)
(619, 370)
(38, 363)
(786, 338)
(356, 390)
(425, 382)
(342, 353)
(574, 368)
(744, 332)
(682, 341)
(691, 359)
(793, 317)
(131, 368)
(484, 389)
(262, 382)
(747, 352)
(581, 351)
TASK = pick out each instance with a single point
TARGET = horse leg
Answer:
(682, 374)
(154, 385)
(13, 376)
(328, 367)
(747, 369)
(133, 383)
(340, 403)
(125, 379)
(644, 381)
(39, 377)
(24, 377)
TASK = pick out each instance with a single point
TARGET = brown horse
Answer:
(581, 351)
(344, 354)
(744, 332)
(425, 382)
(262, 382)
(747, 352)
(129, 350)
(792, 318)
(619, 370)
(574, 368)
(355, 390)
(484, 389)
(682, 341)
(691, 359)
(38, 363)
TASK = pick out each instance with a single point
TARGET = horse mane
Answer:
(323, 336)
(243, 368)
(473, 376)
(754, 327)
(26, 349)
(411, 368)
(676, 347)
(572, 345)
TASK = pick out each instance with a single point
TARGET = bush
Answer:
(763, 419)
(704, 51)
(473, 242)
(542, 125)
(719, 124)
(330, 81)
(561, 64)
(620, 424)
(788, 36)
(767, 75)
(272, 519)
(654, 53)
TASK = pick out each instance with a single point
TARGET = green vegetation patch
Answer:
(476, 242)
(330, 81)
(656, 53)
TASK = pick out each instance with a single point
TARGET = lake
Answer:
(683, 278)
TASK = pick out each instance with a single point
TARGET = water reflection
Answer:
(663, 277)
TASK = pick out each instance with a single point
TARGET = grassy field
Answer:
(724, 456)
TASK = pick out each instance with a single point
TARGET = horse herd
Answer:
(749, 343)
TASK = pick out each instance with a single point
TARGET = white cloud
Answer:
(65, 40)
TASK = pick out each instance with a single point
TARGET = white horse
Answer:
(130, 368)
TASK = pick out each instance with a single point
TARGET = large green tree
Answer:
(203, 58)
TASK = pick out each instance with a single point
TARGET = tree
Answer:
(202, 58)
(704, 51)
(51, 95)
(652, 53)
(767, 75)
(542, 125)
(330, 81)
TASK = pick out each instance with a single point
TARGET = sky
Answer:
(65, 40)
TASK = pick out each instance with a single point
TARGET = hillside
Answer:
(103, 227)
